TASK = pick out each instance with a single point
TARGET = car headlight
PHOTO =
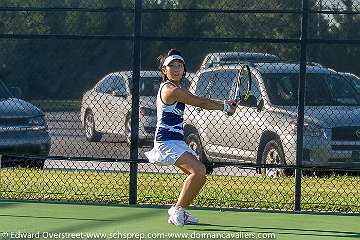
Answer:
(310, 129)
(37, 121)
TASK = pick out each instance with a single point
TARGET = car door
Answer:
(246, 124)
(220, 88)
(197, 116)
(118, 103)
(100, 105)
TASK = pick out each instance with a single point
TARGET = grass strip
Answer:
(332, 193)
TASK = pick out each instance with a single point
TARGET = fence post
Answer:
(301, 105)
(134, 145)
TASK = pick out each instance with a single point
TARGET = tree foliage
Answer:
(64, 68)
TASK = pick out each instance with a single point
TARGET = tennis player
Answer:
(169, 145)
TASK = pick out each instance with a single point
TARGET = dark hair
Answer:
(162, 58)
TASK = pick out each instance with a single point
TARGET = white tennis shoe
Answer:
(188, 218)
(177, 217)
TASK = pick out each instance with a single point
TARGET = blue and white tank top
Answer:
(170, 119)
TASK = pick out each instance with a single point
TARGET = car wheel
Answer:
(91, 134)
(193, 141)
(273, 154)
(128, 133)
(128, 130)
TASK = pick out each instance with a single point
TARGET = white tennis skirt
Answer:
(168, 152)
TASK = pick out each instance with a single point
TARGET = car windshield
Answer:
(235, 59)
(354, 80)
(321, 90)
(148, 85)
(4, 92)
(250, 58)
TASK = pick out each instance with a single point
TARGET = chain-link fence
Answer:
(82, 111)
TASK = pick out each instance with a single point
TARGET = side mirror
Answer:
(16, 92)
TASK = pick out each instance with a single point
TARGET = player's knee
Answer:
(200, 171)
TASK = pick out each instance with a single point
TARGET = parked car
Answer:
(228, 58)
(106, 108)
(264, 127)
(23, 131)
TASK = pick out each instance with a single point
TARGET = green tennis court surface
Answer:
(70, 221)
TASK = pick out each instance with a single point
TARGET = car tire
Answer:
(89, 124)
(128, 130)
(128, 133)
(193, 141)
(273, 154)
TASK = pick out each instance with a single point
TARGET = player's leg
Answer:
(184, 170)
(195, 180)
(196, 171)
(189, 219)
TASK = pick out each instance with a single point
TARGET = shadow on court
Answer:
(89, 223)
(8, 205)
(65, 218)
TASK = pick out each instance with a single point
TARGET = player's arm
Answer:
(188, 98)
(175, 94)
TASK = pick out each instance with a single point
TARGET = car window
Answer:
(341, 92)
(244, 85)
(111, 83)
(148, 85)
(321, 89)
(244, 82)
(186, 83)
(202, 84)
(255, 90)
(227, 60)
(4, 92)
(354, 81)
(206, 61)
(222, 84)
(210, 61)
(230, 58)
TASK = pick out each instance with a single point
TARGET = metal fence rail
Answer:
(90, 69)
